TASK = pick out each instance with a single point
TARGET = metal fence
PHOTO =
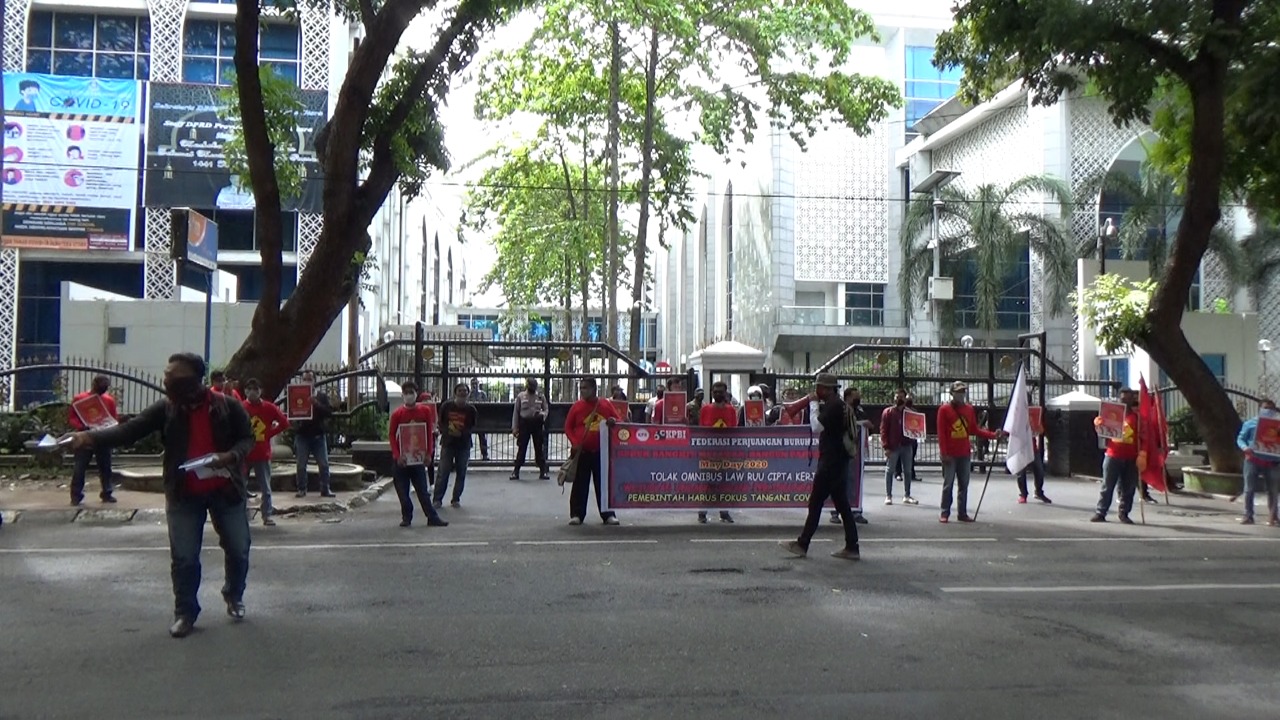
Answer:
(60, 381)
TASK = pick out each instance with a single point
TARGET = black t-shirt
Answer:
(831, 413)
(456, 422)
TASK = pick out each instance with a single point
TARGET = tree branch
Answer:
(367, 13)
(1177, 63)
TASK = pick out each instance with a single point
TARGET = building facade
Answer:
(180, 52)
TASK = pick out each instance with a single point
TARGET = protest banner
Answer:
(673, 407)
(914, 425)
(753, 413)
(1112, 416)
(1267, 438)
(300, 403)
(93, 412)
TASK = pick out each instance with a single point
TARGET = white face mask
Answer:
(410, 400)
(1269, 413)
(253, 395)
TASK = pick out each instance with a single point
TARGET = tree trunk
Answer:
(640, 277)
(1216, 417)
(608, 290)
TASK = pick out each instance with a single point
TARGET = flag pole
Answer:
(990, 465)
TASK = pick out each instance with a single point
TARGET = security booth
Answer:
(729, 361)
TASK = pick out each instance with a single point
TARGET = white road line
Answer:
(1110, 588)
(750, 540)
(585, 542)
(378, 545)
(888, 541)
(1139, 538)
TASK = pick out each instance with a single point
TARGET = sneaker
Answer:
(1098, 517)
(846, 554)
(1022, 499)
(438, 503)
(1044, 498)
(859, 519)
(1246, 521)
(300, 493)
(835, 518)
(725, 517)
(1150, 500)
(268, 522)
(327, 494)
(795, 548)
(575, 521)
(544, 476)
(437, 522)
(1273, 522)
(77, 500)
(908, 500)
(515, 476)
(455, 504)
(406, 523)
(1125, 519)
(108, 498)
(611, 520)
(944, 518)
(251, 494)
(964, 518)
(702, 518)
(888, 500)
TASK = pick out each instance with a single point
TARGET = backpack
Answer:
(851, 437)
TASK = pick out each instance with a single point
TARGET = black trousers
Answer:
(831, 481)
(531, 430)
(415, 476)
(588, 474)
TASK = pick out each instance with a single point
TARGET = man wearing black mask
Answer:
(213, 430)
(832, 476)
(853, 398)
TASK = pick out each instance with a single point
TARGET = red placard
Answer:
(1035, 414)
(1111, 416)
(415, 440)
(753, 413)
(673, 407)
(1267, 439)
(623, 408)
(300, 404)
(93, 412)
(914, 425)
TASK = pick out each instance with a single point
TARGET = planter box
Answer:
(1202, 479)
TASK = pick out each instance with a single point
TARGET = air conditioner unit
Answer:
(941, 288)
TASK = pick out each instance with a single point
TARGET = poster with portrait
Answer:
(299, 396)
(70, 162)
(1267, 438)
(673, 403)
(753, 413)
(914, 425)
(1111, 420)
(1035, 414)
(93, 412)
(414, 440)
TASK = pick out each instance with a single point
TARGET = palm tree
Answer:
(991, 225)
(1257, 260)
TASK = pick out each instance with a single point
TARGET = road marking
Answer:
(375, 545)
(861, 540)
(585, 542)
(1139, 538)
(751, 540)
(1110, 588)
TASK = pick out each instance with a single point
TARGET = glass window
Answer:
(1113, 369)
(200, 70)
(209, 51)
(237, 231)
(279, 42)
(1217, 365)
(1013, 311)
(864, 304)
(112, 46)
(200, 37)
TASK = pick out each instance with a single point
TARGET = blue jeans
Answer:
(415, 476)
(1261, 479)
(453, 459)
(955, 469)
(186, 516)
(262, 473)
(103, 456)
(903, 455)
(305, 447)
(1122, 473)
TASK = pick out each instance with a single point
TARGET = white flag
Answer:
(1017, 423)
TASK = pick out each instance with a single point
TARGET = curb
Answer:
(114, 516)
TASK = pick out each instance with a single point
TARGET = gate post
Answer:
(419, 345)
(546, 372)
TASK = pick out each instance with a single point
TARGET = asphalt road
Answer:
(1030, 613)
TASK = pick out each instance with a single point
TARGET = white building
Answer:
(182, 49)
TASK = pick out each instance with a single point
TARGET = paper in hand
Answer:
(203, 461)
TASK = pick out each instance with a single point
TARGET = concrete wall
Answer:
(154, 329)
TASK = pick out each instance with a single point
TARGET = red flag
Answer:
(1154, 438)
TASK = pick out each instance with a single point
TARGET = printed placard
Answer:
(623, 408)
(1267, 438)
(1112, 416)
(299, 396)
(753, 413)
(1035, 414)
(914, 425)
(93, 412)
(414, 440)
(673, 407)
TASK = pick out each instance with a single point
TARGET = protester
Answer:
(582, 428)
(674, 384)
(101, 454)
(718, 414)
(529, 422)
(267, 421)
(693, 409)
(897, 449)
(311, 439)
(1261, 470)
(196, 424)
(957, 424)
(1036, 467)
(915, 447)
(427, 400)
(1120, 466)
(458, 422)
(653, 403)
(405, 475)
(478, 395)
(831, 477)
(853, 398)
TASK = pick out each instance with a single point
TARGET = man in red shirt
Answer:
(1120, 467)
(413, 471)
(582, 428)
(897, 448)
(267, 421)
(719, 414)
(103, 454)
(957, 423)
(211, 435)
(674, 384)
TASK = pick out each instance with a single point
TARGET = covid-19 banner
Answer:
(669, 467)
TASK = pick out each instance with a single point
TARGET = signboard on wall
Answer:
(70, 169)
(186, 160)
(195, 239)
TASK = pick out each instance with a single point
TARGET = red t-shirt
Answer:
(1126, 448)
(73, 417)
(420, 413)
(718, 416)
(199, 444)
(582, 426)
(955, 427)
(267, 421)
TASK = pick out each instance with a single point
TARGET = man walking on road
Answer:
(831, 477)
(957, 424)
(414, 474)
(310, 439)
(529, 422)
(1120, 466)
(210, 434)
(102, 454)
(1261, 470)
(582, 428)
(267, 421)
(458, 420)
